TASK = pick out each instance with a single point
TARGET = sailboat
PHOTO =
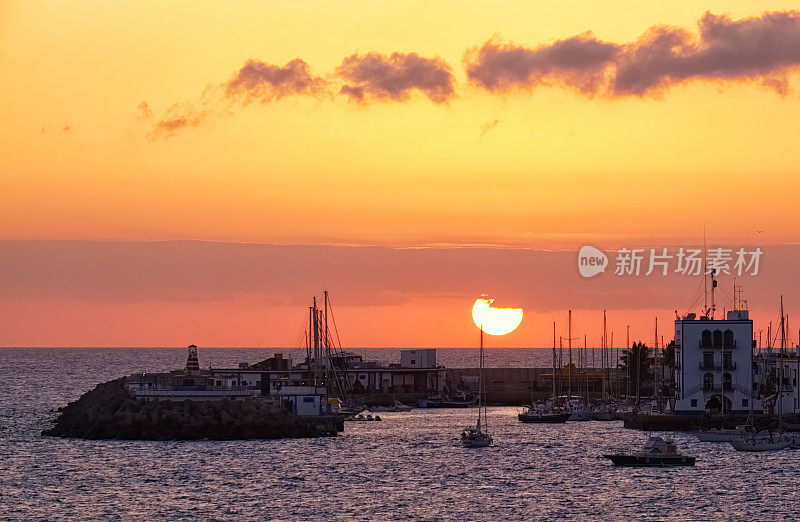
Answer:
(556, 414)
(478, 437)
(770, 441)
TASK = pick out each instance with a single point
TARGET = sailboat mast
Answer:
(310, 342)
(585, 373)
(569, 350)
(655, 361)
(326, 345)
(554, 362)
(780, 373)
(610, 357)
(603, 356)
(627, 372)
(481, 387)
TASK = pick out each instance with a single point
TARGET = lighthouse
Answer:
(192, 364)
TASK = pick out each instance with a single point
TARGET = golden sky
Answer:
(532, 165)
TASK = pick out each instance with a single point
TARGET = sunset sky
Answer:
(194, 171)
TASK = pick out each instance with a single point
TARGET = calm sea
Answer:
(411, 465)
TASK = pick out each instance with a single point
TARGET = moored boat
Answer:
(396, 407)
(533, 415)
(721, 435)
(657, 452)
(757, 443)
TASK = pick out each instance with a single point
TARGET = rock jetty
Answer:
(109, 412)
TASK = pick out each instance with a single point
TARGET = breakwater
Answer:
(637, 421)
(109, 412)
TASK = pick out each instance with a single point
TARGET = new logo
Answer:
(591, 261)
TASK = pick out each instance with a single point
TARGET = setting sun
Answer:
(495, 321)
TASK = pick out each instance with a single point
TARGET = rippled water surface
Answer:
(411, 465)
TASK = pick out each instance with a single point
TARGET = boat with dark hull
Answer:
(461, 400)
(657, 452)
(532, 415)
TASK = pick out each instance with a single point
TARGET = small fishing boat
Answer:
(657, 452)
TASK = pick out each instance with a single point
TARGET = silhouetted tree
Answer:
(638, 355)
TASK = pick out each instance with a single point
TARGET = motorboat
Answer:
(657, 452)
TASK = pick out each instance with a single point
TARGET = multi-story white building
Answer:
(714, 363)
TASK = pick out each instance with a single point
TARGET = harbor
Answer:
(547, 469)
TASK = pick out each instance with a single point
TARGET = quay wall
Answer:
(504, 386)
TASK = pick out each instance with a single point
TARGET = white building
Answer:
(303, 400)
(418, 358)
(714, 364)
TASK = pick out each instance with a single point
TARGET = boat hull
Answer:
(743, 445)
(650, 461)
(479, 443)
(547, 418)
(603, 415)
(721, 436)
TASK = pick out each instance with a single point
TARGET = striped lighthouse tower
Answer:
(192, 364)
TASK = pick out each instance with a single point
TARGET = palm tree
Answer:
(638, 362)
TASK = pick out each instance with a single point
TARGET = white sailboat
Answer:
(478, 436)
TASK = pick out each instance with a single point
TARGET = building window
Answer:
(708, 360)
(727, 382)
(727, 360)
(744, 403)
(728, 341)
(413, 361)
(308, 399)
(694, 403)
(706, 338)
(708, 381)
(717, 337)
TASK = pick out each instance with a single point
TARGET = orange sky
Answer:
(535, 166)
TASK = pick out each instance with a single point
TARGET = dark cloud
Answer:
(579, 62)
(264, 82)
(726, 49)
(762, 48)
(255, 81)
(378, 77)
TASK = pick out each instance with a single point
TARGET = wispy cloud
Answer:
(762, 48)
(489, 125)
(143, 111)
(374, 76)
